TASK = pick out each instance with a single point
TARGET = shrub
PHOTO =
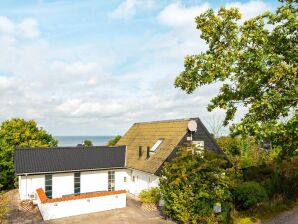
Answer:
(249, 194)
(280, 177)
(191, 185)
(151, 195)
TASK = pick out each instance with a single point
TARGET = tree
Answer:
(19, 133)
(257, 64)
(114, 141)
(87, 142)
(191, 185)
(215, 125)
(244, 152)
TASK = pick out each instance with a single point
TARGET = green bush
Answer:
(249, 194)
(151, 195)
(278, 178)
(191, 185)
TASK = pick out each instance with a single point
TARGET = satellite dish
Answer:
(192, 125)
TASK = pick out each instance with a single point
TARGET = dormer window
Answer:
(156, 145)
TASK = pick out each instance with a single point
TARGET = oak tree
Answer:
(256, 62)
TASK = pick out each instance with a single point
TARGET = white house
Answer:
(65, 178)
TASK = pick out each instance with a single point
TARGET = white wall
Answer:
(63, 183)
(29, 184)
(142, 181)
(94, 181)
(81, 206)
(119, 180)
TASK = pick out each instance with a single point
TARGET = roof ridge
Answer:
(164, 121)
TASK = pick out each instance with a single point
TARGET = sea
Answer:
(75, 140)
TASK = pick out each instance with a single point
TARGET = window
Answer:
(156, 145)
(198, 147)
(133, 178)
(48, 185)
(148, 152)
(77, 183)
(111, 180)
(124, 179)
(140, 151)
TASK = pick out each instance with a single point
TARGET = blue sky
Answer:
(95, 67)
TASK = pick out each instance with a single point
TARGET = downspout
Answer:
(26, 185)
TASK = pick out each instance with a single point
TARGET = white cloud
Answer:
(177, 15)
(250, 9)
(29, 28)
(128, 8)
(183, 38)
(82, 108)
(102, 90)
(6, 25)
(6, 83)
(75, 68)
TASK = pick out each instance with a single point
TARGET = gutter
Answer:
(68, 171)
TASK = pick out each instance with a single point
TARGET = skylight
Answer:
(156, 145)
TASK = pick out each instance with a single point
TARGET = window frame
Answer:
(77, 183)
(48, 185)
(156, 145)
(111, 180)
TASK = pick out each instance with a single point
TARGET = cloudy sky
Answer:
(94, 67)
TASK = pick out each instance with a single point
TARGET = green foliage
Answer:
(249, 194)
(151, 195)
(19, 133)
(114, 141)
(277, 178)
(87, 142)
(256, 62)
(3, 208)
(245, 152)
(192, 184)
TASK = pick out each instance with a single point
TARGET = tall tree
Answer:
(257, 64)
(19, 133)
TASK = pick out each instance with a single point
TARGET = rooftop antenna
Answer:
(192, 127)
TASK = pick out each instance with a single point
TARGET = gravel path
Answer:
(16, 215)
(288, 217)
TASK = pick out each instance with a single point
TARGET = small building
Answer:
(67, 181)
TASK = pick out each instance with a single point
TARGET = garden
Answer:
(202, 189)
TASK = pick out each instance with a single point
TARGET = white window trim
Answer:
(156, 145)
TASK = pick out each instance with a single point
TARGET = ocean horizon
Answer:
(75, 140)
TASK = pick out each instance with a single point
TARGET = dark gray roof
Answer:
(61, 159)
